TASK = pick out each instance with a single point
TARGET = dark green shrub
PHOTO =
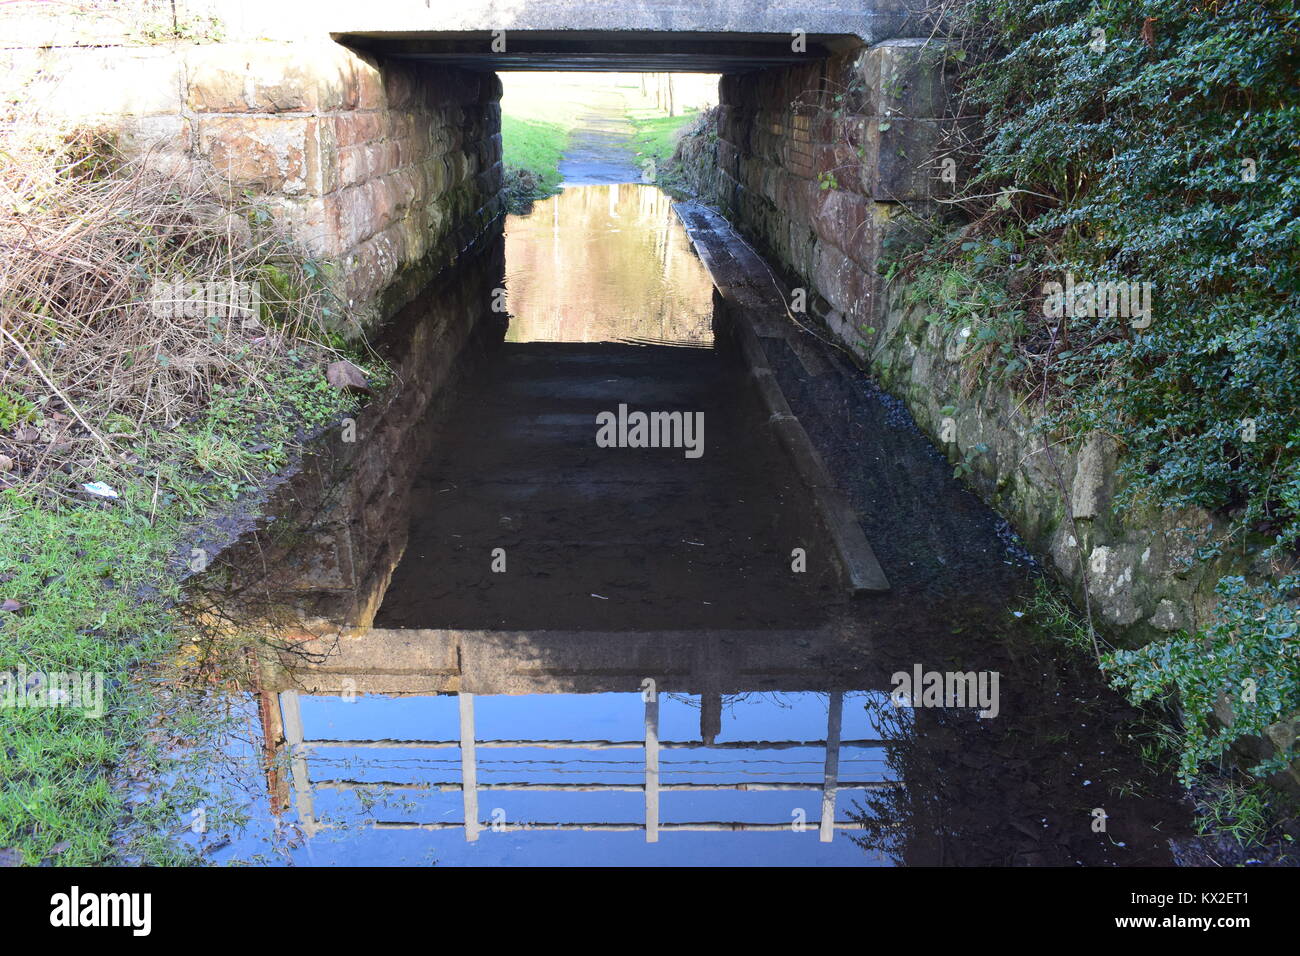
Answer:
(1152, 143)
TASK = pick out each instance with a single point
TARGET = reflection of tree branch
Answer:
(244, 597)
(879, 812)
(777, 698)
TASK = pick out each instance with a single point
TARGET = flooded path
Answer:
(596, 537)
(627, 655)
(695, 535)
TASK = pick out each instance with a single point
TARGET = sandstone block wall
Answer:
(820, 164)
(1139, 572)
(385, 171)
(827, 168)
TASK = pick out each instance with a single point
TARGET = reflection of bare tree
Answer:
(250, 589)
(881, 812)
(780, 699)
(963, 799)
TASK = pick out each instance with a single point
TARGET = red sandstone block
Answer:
(907, 78)
(901, 158)
(266, 153)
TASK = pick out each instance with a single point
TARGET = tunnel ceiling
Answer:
(620, 50)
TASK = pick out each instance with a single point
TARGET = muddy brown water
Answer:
(649, 612)
(605, 538)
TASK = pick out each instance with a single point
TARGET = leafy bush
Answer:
(1150, 143)
(1166, 155)
(1248, 661)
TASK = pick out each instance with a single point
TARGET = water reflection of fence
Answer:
(469, 745)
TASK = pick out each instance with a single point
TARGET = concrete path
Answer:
(753, 301)
(599, 147)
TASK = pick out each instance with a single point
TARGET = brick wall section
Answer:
(385, 170)
(817, 164)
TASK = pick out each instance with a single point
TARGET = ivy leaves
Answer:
(1170, 151)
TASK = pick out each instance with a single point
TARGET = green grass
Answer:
(97, 584)
(538, 115)
(656, 134)
(535, 145)
(655, 140)
(77, 570)
(1241, 810)
(1056, 619)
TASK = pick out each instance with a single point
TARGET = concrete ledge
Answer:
(433, 661)
(730, 262)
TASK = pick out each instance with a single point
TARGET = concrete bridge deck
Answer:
(712, 36)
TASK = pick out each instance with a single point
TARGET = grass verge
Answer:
(657, 134)
(140, 392)
(655, 141)
(531, 153)
(538, 115)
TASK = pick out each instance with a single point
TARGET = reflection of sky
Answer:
(620, 717)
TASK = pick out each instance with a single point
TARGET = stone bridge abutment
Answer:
(384, 170)
(374, 134)
(379, 150)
